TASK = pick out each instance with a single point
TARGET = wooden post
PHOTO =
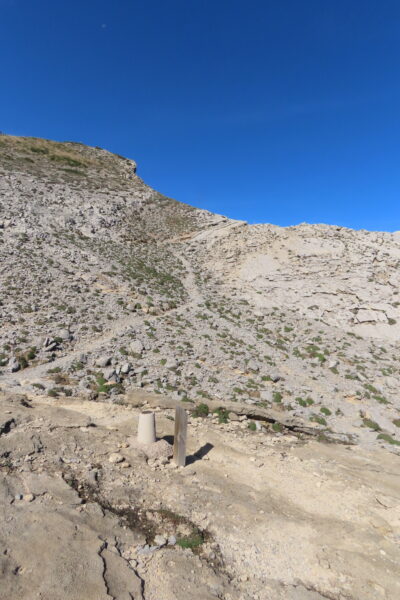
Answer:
(180, 436)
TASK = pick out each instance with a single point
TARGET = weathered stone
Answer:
(65, 335)
(13, 365)
(103, 361)
(108, 373)
(253, 366)
(115, 458)
(126, 367)
(136, 347)
(160, 540)
(275, 377)
(266, 395)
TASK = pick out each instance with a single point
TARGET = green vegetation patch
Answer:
(318, 419)
(388, 438)
(222, 413)
(201, 410)
(191, 541)
(371, 425)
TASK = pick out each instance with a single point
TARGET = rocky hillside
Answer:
(107, 286)
(281, 343)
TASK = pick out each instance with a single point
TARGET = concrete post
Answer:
(147, 428)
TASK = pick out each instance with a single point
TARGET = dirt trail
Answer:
(217, 230)
(189, 282)
(117, 327)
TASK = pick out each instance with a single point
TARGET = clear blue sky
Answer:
(272, 111)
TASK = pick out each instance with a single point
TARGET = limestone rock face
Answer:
(123, 289)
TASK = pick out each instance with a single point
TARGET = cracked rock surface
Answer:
(252, 515)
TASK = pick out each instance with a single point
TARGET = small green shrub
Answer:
(305, 402)
(319, 420)
(371, 388)
(223, 414)
(23, 362)
(277, 427)
(102, 386)
(325, 411)
(38, 386)
(252, 426)
(77, 366)
(381, 399)
(388, 438)
(31, 353)
(201, 410)
(371, 425)
(191, 541)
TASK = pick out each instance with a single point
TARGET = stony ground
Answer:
(254, 515)
(282, 343)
